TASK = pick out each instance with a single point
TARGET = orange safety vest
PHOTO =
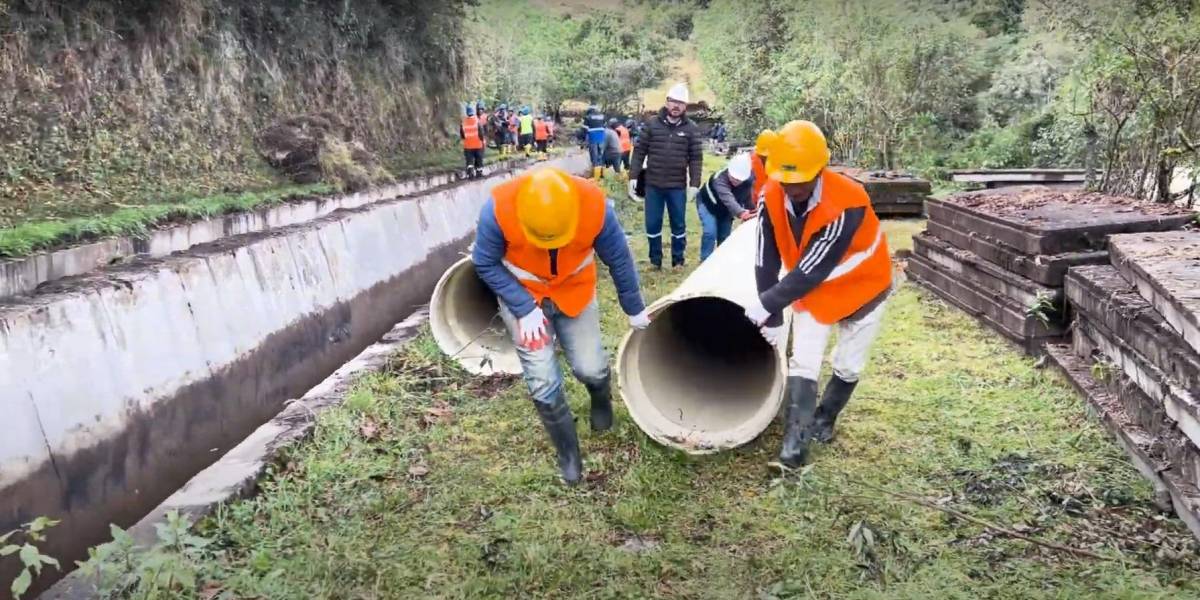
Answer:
(574, 285)
(861, 275)
(760, 177)
(540, 131)
(471, 139)
(623, 133)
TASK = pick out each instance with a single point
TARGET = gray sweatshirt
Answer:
(612, 142)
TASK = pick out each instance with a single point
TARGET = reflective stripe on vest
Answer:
(471, 139)
(574, 286)
(861, 275)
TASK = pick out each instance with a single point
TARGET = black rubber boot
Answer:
(561, 426)
(837, 394)
(601, 413)
(801, 404)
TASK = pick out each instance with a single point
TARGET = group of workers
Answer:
(539, 236)
(511, 131)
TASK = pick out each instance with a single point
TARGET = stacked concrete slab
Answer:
(893, 193)
(1002, 255)
(1136, 355)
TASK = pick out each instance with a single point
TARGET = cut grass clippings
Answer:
(428, 483)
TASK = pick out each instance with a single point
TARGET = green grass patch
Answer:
(428, 483)
(137, 221)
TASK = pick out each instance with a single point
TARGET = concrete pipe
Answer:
(464, 316)
(701, 378)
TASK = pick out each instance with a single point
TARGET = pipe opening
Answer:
(465, 320)
(702, 375)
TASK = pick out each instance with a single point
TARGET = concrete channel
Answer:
(123, 383)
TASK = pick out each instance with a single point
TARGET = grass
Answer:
(427, 483)
(49, 231)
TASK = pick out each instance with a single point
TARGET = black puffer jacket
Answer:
(673, 153)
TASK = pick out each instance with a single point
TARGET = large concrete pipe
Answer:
(701, 378)
(464, 316)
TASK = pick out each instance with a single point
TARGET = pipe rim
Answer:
(503, 361)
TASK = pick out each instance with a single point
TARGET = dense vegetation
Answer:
(104, 104)
(965, 83)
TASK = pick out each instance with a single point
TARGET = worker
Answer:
(626, 145)
(525, 134)
(513, 124)
(593, 120)
(499, 126)
(725, 196)
(820, 226)
(550, 129)
(471, 132)
(672, 150)
(758, 162)
(535, 247)
(612, 148)
(541, 136)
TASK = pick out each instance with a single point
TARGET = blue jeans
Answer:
(580, 339)
(714, 229)
(596, 153)
(673, 200)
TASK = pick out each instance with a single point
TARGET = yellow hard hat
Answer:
(798, 154)
(548, 208)
(762, 145)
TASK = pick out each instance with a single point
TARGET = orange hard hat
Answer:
(548, 208)
(798, 154)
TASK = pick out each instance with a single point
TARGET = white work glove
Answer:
(756, 313)
(774, 335)
(633, 189)
(691, 192)
(531, 330)
(639, 321)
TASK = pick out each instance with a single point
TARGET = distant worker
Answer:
(525, 134)
(724, 197)
(626, 145)
(612, 148)
(499, 126)
(593, 121)
(758, 163)
(541, 137)
(635, 129)
(513, 124)
(551, 127)
(535, 247)
(672, 149)
(820, 226)
(471, 132)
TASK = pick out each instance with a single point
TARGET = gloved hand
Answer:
(640, 321)
(633, 189)
(756, 313)
(531, 330)
(691, 193)
(774, 335)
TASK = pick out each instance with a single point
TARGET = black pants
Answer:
(625, 159)
(525, 141)
(542, 145)
(474, 158)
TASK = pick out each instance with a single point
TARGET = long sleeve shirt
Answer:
(735, 199)
(611, 248)
(824, 251)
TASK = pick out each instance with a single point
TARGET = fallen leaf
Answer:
(369, 429)
(440, 412)
(418, 471)
(210, 590)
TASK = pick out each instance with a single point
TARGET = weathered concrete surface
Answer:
(1165, 267)
(893, 193)
(1100, 294)
(125, 382)
(1180, 405)
(997, 311)
(237, 473)
(984, 275)
(24, 275)
(1167, 481)
(1044, 269)
(1045, 225)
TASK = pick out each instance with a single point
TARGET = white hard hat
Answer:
(739, 167)
(678, 92)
